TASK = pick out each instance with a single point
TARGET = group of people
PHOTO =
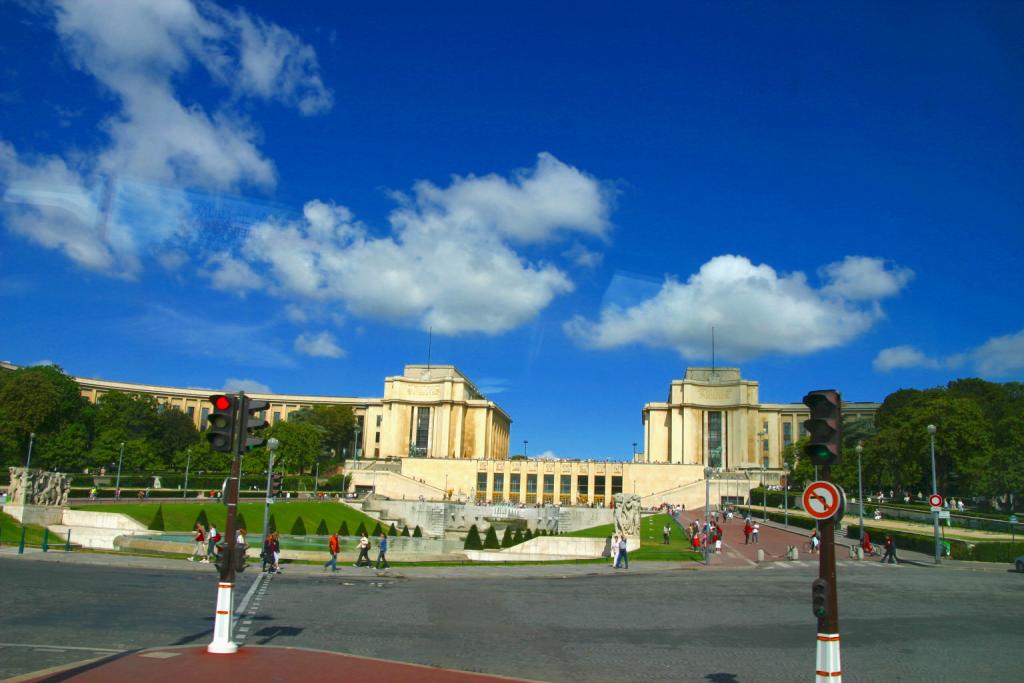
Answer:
(363, 545)
(207, 542)
(707, 533)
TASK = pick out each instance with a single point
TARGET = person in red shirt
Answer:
(200, 539)
(747, 530)
(333, 546)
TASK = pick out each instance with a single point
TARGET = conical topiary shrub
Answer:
(361, 531)
(271, 524)
(321, 530)
(417, 532)
(392, 531)
(377, 530)
(506, 538)
(299, 527)
(343, 529)
(240, 522)
(527, 535)
(201, 519)
(491, 539)
(517, 537)
(405, 531)
(473, 539)
(158, 520)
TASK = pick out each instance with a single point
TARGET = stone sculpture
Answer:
(627, 514)
(36, 487)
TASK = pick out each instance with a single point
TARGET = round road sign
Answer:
(822, 499)
(935, 500)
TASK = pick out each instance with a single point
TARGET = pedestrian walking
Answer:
(275, 551)
(364, 552)
(815, 541)
(623, 554)
(212, 539)
(665, 533)
(748, 529)
(382, 549)
(200, 547)
(332, 547)
(267, 554)
(890, 551)
(755, 532)
(613, 549)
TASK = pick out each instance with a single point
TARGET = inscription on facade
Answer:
(715, 393)
(423, 392)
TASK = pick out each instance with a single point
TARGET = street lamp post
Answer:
(316, 479)
(707, 514)
(188, 463)
(524, 447)
(634, 451)
(785, 492)
(117, 485)
(31, 439)
(860, 493)
(935, 489)
(272, 445)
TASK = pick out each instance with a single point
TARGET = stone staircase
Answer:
(96, 529)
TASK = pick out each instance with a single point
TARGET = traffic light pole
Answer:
(827, 661)
(267, 501)
(222, 625)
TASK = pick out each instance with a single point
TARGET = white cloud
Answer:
(857, 278)
(753, 309)
(251, 386)
(230, 274)
(582, 256)
(997, 357)
(319, 345)
(95, 210)
(1000, 356)
(903, 357)
(448, 263)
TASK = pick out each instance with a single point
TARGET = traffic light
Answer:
(254, 421)
(819, 597)
(220, 426)
(825, 428)
(276, 484)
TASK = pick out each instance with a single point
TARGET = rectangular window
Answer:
(803, 430)
(581, 484)
(616, 485)
(499, 483)
(203, 417)
(376, 437)
(599, 483)
(787, 433)
(191, 410)
(422, 429)
(531, 483)
(513, 483)
(380, 420)
(481, 483)
(566, 484)
(277, 416)
(549, 483)
(715, 439)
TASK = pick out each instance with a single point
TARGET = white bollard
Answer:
(222, 643)
(760, 555)
(826, 660)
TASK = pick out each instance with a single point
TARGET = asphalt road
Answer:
(902, 623)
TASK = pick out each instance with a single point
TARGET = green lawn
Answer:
(182, 516)
(651, 546)
(10, 533)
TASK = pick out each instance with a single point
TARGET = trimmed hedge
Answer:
(776, 516)
(343, 529)
(506, 538)
(299, 527)
(417, 532)
(473, 539)
(321, 530)
(491, 539)
(393, 530)
(158, 520)
(985, 551)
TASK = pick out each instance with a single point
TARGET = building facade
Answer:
(713, 417)
(429, 411)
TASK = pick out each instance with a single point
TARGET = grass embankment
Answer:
(10, 533)
(181, 517)
(651, 545)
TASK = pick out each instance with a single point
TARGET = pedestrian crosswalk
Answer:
(799, 564)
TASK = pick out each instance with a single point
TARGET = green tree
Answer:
(321, 530)
(506, 538)
(40, 400)
(417, 532)
(377, 530)
(392, 530)
(299, 527)
(200, 458)
(335, 423)
(491, 539)
(361, 531)
(158, 520)
(405, 531)
(343, 529)
(66, 450)
(201, 519)
(299, 445)
(173, 432)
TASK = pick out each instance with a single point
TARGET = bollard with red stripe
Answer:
(222, 643)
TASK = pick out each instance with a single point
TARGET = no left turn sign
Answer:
(822, 499)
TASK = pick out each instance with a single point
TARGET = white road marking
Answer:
(62, 647)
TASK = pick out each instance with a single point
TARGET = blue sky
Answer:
(570, 196)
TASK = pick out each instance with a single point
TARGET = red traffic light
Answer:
(221, 402)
